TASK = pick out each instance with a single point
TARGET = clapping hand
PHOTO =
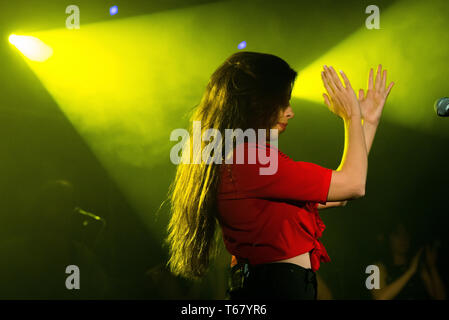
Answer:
(372, 102)
(341, 100)
(431, 255)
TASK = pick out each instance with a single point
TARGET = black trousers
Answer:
(280, 280)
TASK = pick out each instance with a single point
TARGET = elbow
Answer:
(359, 191)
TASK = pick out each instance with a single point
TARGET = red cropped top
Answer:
(266, 218)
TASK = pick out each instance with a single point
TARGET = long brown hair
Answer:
(249, 90)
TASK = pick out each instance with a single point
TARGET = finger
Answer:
(336, 79)
(326, 82)
(389, 89)
(384, 79)
(361, 95)
(346, 80)
(332, 87)
(377, 83)
(329, 89)
(329, 81)
(370, 79)
(327, 100)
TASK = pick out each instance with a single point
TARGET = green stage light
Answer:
(412, 44)
(31, 47)
(125, 85)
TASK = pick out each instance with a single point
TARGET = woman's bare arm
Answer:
(369, 130)
(371, 107)
(332, 204)
(391, 290)
(431, 276)
(348, 181)
(438, 286)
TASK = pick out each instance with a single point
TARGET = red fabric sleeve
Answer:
(293, 180)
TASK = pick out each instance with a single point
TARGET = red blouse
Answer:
(266, 218)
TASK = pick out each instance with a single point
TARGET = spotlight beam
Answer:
(31, 47)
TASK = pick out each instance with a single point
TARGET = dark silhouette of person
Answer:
(47, 241)
(408, 275)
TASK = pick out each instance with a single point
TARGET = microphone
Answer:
(442, 107)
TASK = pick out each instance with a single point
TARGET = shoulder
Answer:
(256, 148)
(266, 148)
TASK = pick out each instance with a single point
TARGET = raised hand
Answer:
(341, 100)
(372, 103)
(415, 261)
(431, 255)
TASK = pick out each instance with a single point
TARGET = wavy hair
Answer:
(248, 90)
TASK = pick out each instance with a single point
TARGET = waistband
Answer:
(235, 261)
(245, 269)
